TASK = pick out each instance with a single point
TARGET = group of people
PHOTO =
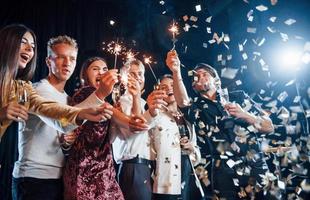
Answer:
(169, 146)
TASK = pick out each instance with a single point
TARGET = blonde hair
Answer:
(62, 39)
(130, 62)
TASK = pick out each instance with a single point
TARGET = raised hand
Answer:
(107, 82)
(14, 111)
(156, 101)
(133, 86)
(173, 61)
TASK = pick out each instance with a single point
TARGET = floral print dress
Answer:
(89, 171)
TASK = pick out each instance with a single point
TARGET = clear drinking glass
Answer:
(22, 99)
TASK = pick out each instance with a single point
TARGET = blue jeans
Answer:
(28, 188)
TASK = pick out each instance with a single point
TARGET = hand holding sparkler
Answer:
(107, 82)
(155, 102)
(173, 61)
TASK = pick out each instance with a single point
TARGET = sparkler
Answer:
(148, 61)
(130, 54)
(115, 48)
(175, 31)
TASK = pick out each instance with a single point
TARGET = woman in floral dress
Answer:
(89, 171)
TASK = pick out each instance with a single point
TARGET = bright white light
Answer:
(112, 22)
(289, 58)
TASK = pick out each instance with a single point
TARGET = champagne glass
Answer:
(227, 119)
(22, 99)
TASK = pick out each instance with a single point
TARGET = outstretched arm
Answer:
(179, 90)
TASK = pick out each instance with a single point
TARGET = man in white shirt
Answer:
(132, 150)
(37, 173)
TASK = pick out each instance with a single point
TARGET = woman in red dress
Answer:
(89, 171)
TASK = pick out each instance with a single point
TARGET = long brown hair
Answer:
(83, 73)
(10, 42)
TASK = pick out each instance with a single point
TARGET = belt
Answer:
(138, 160)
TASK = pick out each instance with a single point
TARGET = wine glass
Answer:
(22, 99)
(227, 119)
(120, 87)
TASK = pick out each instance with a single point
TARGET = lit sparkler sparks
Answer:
(115, 48)
(130, 54)
(174, 29)
(148, 61)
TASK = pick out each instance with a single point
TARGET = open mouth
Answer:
(170, 94)
(25, 57)
(98, 79)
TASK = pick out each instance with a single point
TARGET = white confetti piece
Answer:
(193, 18)
(282, 96)
(230, 163)
(261, 8)
(271, 29)
(251, 30)
(240, 47)
(290, 22)
(198, 8)
(229, 73)
(208, 20)
(273, 19)
(244, 56)
(284, 37)
(238, 82)
(209, 30)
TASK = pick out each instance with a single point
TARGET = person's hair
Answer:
(10, 43)
(208, 68)
(83, 72)
(130, 62)
(165, 76)
(62, 39)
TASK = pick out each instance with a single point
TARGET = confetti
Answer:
(290, 22)
(261, 8)
(251, 30)
(198, 8)
(229, 73)
(208, 20)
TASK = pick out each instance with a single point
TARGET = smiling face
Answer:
(204, 82)
(62, 61)
(26, 51)
(166, 84)
(94, 72)
(137, 72)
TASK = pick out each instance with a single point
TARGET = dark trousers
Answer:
(135, 181)
(37, 189)
(223, 182)
(166, 197)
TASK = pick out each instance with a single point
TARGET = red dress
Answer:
(89, 171)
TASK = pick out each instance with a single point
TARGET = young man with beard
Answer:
(228, 131)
